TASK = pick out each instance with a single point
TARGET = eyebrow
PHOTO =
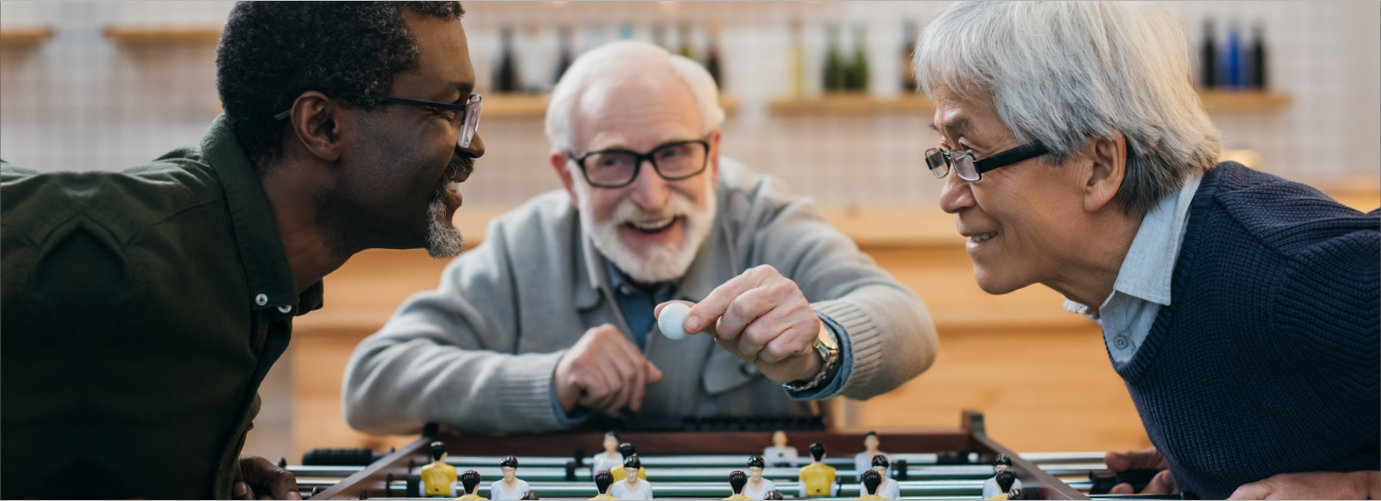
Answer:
(957, 127)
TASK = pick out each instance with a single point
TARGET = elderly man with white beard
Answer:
(551, 323)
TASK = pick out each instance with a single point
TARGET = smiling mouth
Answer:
(651, 226)
(983, 237)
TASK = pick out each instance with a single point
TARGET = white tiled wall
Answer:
(81, 102)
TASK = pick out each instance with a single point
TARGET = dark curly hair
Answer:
(272, 52)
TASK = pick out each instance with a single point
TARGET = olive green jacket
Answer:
(141, 310)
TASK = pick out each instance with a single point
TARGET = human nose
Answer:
(956, 194)
(476, 148)
(649, 189)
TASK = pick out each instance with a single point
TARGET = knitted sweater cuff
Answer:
(864, 338)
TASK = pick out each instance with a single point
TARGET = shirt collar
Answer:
(1150, 263)
(266, 265)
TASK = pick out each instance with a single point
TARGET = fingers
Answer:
(714, 306)
(603, 371)
(241, 490)
(257, 478)
(1254, 490)
(1141, 459)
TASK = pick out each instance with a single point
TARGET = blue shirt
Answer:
(636, 305)
(1143, 281)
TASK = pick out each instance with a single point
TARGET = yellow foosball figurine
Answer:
(871, 481)
(737, 479)
(438, 478)
(817, 478)
(470, 480)
(603, 479)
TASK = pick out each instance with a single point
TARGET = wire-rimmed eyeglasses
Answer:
(470, 121)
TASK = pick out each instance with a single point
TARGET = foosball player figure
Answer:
(870, 480)
(737, 479)
(1004, 480)
(627, 450)
(603, 479)
(610, 459)
(887, 488)
(780, 455)
(864, 459)
(991, 487)
(438, 478)
(632, 486)
(772, 494)
(470, 481)
(817, 478)
(510, 486)
(757, 486)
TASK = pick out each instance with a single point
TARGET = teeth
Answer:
(652, 225)
(984, 237)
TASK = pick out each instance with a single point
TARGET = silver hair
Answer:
(1067, 73)
(606, 61)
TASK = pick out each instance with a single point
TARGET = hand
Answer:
(1314, 485)
(763, 318)
(604, 371)
(257, 478)
(1144, 459)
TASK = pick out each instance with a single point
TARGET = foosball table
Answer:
(933, 463)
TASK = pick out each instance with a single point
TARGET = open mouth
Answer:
(983, 237)
(653, 226)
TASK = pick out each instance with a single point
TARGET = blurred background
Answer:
(817, 93)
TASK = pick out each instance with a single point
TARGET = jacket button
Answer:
(261, 299)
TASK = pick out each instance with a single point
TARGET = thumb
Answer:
(654, 375)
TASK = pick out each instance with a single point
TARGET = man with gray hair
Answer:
(1241, 309)
(551, 321)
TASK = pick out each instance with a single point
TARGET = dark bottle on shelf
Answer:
(1232, 58)
(712, 58)
(908, 54)
(1208, 59)
(1257, 78)
(834, 77)
(563, 52)
(506, 75)
(684, 48)
(858, 71)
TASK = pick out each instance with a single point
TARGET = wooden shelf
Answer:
(535, 105)
(147, 36)
(1244, 101)
(851, 104)
(24, 36)
(863, 104)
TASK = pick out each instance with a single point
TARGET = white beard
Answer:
(663, 263)
(443, 238)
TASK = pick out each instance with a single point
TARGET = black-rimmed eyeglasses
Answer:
(616, 168)
(470, 110)
(941, 162)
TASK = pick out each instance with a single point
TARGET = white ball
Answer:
(670, 320)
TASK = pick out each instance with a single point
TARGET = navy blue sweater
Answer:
(1266, 361)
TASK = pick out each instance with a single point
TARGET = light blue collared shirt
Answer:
(1143, 281)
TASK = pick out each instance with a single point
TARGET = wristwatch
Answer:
(827, 346)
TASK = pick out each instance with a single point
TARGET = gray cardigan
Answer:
(478, 353)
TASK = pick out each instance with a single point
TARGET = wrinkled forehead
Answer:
(635, 108)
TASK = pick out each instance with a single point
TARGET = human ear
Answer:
(558, 161)
(316, 124)
(1107, 169)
